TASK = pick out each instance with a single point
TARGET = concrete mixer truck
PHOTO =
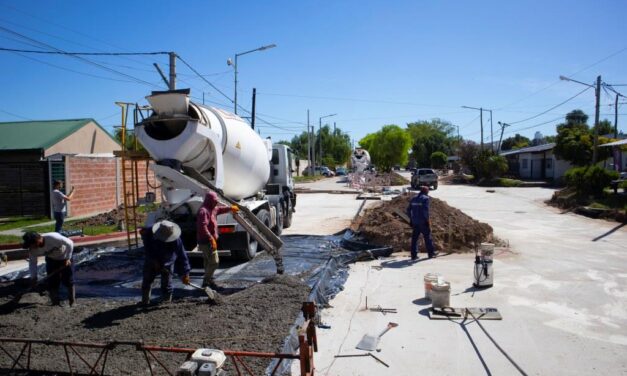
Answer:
(360, 160)
(197, 147)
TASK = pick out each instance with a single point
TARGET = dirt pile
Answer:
(255, 319)
(381, 225)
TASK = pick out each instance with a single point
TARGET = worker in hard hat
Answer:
(59, 268)
(207, 235)
(164, 253)
(418, 212)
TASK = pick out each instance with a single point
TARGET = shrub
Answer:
(438, 159)
(589, 180)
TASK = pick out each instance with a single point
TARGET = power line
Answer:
(15, 115)
(550, 109)
(76, 56)
(82, 53)
(203, 78)
(354, 100)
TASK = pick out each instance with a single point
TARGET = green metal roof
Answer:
(23, 135)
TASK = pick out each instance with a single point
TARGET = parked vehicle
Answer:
(318, 170)
(424, 176)
(341, 171)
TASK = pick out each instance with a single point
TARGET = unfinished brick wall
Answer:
(98, 183)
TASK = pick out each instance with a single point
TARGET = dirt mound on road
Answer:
(255, 319)
(381, 225)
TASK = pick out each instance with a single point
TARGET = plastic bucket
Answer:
(430, 279)
(441, 294)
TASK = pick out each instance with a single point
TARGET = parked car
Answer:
(424, 176)
(318, 170)
(340, 171)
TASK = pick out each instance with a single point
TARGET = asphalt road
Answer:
(561, 288)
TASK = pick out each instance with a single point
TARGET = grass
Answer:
(308, 179)
(505, 182)
(18, 222)
(87, 230)
(10, 239)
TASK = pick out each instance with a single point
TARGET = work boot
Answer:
(54, 297)
(166, 298)
(434, 255)
(72, 295)
(145, 297)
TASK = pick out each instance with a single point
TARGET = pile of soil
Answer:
(381, 225)
(255, 319)
(112, 217)
(375, 182)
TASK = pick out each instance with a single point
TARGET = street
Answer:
(561, 288)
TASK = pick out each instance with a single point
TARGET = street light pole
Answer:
(597, 93)
(234, 63)
(320, 133)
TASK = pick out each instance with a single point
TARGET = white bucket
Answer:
(441, 294)
(430, 279)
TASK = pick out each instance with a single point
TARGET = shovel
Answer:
(370, 342)
(12, 304)
(210, 293)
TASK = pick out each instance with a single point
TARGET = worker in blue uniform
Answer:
(418, 213)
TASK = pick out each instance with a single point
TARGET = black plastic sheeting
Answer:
(320, 260)
(328, 280)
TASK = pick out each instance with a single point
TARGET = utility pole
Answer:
(172, 71)
(491, 133)
(320, 140)
(334, 128)
(203, 97)
(252, 121)
(503, 126)
(481, 109)
(309, 157)
(616, 116)
(595, 152)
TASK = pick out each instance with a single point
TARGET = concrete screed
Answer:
(561, 288)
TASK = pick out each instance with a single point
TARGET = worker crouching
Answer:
(59, 268)
(164, 254)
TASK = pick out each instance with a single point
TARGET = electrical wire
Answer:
(83, 53)
(15, 115)
(550, 109)
(203, 78)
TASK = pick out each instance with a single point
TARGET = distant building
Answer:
(536, 162)
(33, 153)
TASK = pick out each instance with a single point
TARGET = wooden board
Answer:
(487, 313)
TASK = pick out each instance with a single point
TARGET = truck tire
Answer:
(278, 229)
(287, 214)
(253, 245)
(435, 186)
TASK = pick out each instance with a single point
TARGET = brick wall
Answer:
(98, 183)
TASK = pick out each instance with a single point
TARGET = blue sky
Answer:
(371, 62)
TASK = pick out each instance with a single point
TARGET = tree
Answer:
(516, 142)
(429, 137)
(605, 128)
(575, 139)
(483, 164)
(438, 160)
(336, 147)
(387, 147)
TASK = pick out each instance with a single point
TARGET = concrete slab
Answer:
(322, 214)
(561, 290)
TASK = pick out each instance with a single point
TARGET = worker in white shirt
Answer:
(59, 268)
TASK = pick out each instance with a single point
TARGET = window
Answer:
(525, 163)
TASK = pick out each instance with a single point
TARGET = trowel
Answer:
(370, 342)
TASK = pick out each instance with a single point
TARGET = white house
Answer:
(536, 162)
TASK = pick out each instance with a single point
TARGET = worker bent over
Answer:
(207, 235)
(59, 268)
(418, 212)
(164, 252)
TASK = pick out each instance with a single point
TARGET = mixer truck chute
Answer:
(198, 147)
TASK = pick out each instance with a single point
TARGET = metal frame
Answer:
(308, 344)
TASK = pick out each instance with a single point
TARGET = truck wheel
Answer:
(278, 229)
(287, 215)
(264, 216)
(435, 186)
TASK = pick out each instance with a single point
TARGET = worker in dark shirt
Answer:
(418, 212)
(164, 253)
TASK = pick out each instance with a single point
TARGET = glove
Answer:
(429, 224)
(214, 244)
(234, 209)
(185, 279)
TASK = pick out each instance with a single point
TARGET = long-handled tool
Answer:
(360, 355)
(369, 342)
(210, 293)
(12, 304)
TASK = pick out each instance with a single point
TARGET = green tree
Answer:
(388, 147)
(336, 147)
(575, 139)
(605, 127)
(516, 142)
(483, 164)
(438, 159)
(430, 136)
